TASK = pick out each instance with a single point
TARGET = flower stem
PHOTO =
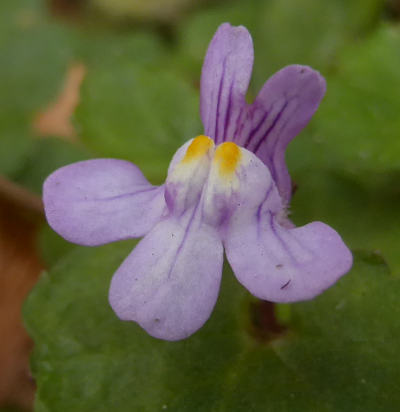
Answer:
(264, 322)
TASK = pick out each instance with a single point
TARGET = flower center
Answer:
(203, 165)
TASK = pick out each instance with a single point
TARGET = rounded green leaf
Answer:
(357, 125)
(337, 352)
(34, 57)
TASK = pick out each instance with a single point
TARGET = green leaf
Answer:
(10, 409)
(106, 48)
(143, 10)
(362, 208)
(309, 32)
(52, 247)
(138, 113)
(357, 125)
(350, 353)
(33, 64)
(34, 57)
(15, 147)
(339, 351)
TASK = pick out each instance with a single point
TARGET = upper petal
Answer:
(224, 81)
(169, 284)
(283, 107)
(102, 200)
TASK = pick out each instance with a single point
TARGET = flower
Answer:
(227, 189)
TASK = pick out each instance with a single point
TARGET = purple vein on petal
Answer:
(270, 156)
(259, 210)
(281, 241)
(216, 137)
(228, 110)
(239, 123)
(268, 131)
(121, 196)
(179, 249)
(289, 117)
(257, 128)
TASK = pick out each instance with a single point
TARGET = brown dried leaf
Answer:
(55, 120)
(19, 270)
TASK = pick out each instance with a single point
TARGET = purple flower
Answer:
(229, 191)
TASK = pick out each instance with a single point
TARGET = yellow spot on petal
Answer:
(198, 148)
(228, 156)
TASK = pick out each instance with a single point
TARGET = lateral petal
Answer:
(100, 201)
(285, 265)
(274, 262)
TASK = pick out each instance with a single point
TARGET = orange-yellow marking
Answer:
(198, 148)
(228, 156)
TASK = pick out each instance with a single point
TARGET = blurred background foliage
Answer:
(107, 78)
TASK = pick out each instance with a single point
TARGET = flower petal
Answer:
(99, 201)
(169, 284)
(285, 265)
(274, 262)
(281, 110)
(224, 81)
